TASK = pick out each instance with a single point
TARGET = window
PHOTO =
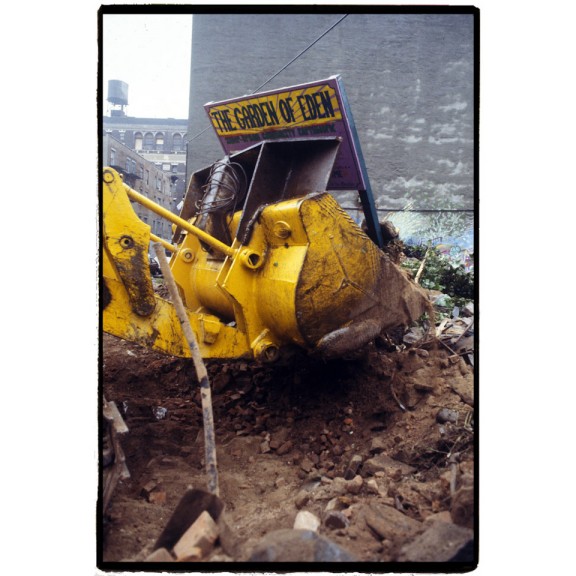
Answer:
(112, 156)
(177, 142)
(149, 141)
(159, 141)
(128, 166)
(166, 167)
(138, 141)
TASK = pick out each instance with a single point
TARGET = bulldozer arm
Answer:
(271, 265)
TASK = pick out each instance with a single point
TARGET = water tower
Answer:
(117, 97)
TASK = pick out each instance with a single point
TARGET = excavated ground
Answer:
(380, 448)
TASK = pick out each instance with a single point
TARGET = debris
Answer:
(355, 485)
(372, 486)
(383, 463)
(462, 507)
(335, 520)
(447, 415)
(302, 499)
(306, 521)
(378, 445)
(353, 467)
(159, 412)
(157, 497)
(389, 523)
(298, 546)
(200, 537)
(438, 543)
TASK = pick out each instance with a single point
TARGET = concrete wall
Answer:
(409, 79)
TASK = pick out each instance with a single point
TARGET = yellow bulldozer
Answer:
(264, 258)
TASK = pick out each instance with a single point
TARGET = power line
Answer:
(303, 51)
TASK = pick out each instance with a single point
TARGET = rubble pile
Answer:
(368, 458)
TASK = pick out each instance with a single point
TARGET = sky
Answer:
(151, 53)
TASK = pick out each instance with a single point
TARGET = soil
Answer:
(384, 439)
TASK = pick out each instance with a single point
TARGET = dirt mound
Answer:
(380, 448)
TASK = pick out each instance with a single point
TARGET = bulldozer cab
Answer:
(254, 178)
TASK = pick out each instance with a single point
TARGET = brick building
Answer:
(144, 177)
(160, 141)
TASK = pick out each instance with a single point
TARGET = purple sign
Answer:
(315, 110)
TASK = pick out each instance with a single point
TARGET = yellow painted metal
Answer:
(161, 211)
(306, 275)
(164, 243)
(125, 286)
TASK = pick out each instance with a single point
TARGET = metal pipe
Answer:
(164, 243)
(201, 373)
(161, 211)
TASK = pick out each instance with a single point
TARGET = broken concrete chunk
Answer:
(372, 486)
(389, 523)
(306, 521)
(439, 543)
(298, 546)
(383, 463)
(202, 534)
(355, 485)
(353, 467)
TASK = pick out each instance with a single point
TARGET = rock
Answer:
(355, 485)
(298, 546)
(265, 447)
(462, 507)
(335, 520)
(378, 445)
(464, 387)
(438, 543)
(157, 497)
(447, 415)
(284, 448)
(306, 521)
(191, 506)
(160, 555)
(383, 463)
(201, 537)
(306, 465)
(425, 386)
(389, 523)
(353, 467)
(301, 499)
(439, 517)
(148, 488)
(372, 486)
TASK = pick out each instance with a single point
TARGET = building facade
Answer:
(161, 142)
(409, 80)
(144, 177)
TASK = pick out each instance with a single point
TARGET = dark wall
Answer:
(409, 80)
